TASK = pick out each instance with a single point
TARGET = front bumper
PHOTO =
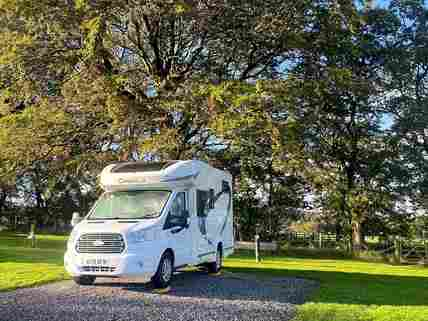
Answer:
(109, 265)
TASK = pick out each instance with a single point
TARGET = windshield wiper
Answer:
(105, 218)
(151, 215)
(117, 218)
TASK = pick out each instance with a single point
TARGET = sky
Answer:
(383, 3)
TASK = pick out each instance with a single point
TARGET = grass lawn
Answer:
(22, 266)
(350, 290)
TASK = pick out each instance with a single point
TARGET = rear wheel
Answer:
(163, 276)
(215, 267)
(84, 279)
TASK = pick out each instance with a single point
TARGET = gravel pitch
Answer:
(193, 296)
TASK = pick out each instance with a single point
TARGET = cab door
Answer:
(177, 229)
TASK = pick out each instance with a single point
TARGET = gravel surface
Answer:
(193, 296)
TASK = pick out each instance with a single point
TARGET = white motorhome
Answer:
(152, 219)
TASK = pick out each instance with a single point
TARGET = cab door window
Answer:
(177, 215)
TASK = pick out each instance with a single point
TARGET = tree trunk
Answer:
(340, 219)
(357, 238)
(36, 217)
(270, 204)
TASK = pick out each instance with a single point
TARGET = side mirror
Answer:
(179, 221)
(225, 187)
(186, 222)
(75, 219)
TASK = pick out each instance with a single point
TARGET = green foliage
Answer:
(290, 97)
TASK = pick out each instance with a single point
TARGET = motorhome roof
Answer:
(133, 167)
(137, 175)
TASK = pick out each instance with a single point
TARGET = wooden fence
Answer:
(264, 246)
(398, 249)
(321, 240)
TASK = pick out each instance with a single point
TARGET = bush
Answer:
(373, 256)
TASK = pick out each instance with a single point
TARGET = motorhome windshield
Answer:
(129, 205)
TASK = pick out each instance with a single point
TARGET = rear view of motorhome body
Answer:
(151, 219)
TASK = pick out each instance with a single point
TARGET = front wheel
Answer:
(215, 267)
(84, 279)
(164, 273)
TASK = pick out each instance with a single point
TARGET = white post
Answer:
(397, 250)
(32, 235)
(257, 247)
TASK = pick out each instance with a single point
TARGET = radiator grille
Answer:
(101, 243)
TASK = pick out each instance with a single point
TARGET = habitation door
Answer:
(205, 244)
(213, 206)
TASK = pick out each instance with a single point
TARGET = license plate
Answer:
(97, 262)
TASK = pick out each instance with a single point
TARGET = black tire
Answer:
(165, 271)
(84, 279)
(215, 267)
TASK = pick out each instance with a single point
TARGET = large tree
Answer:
(407, 102)
(333, 93)
(95, 81)
(284, 94)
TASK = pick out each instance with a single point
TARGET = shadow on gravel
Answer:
(227, 286)
(357, 288)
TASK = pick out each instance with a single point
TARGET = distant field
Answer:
(349, 290)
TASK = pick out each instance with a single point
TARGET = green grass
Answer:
(349, 290)
(22, 266)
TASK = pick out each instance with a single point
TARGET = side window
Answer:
(212, 196)
(177, 211)
(202, 199)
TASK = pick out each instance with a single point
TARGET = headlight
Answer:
(136, 237)
(72, 238)
(140, 236)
